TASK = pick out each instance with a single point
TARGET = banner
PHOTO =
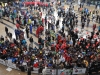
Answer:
(61, 72)
(53, 71)
(10, 64)
(64, 72)
(2, 62)
(79, 70)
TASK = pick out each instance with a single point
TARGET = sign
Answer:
(64, 72)
(2, 62)
(10, 64)
(79, 70)
(53, 71)
(61, 72)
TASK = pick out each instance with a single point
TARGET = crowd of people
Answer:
(57, 50)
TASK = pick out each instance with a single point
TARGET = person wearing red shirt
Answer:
(94, 27)
(57, 47)
(4, 52)
(38, 31)
(18, 26)
(36, 64)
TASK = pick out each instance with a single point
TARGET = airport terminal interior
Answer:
(49, 37)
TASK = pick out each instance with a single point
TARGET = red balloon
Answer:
(40, 3)
(45, 4)
(33, 3)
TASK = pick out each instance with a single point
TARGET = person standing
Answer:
(40, 69)
(83, 24)
(1, 13)
(31, 40)
(17, 26)
(10, 35)
(27, 31)
(46, 20)
(99, 29)
(93, 17)
(2, 38)
(31, 29)
(57, 23)
(99, 19)
(16, 34)
(6, 30)
(94, 27)
(12, 17)
(88, 21)
(40, 42)
(63, 28)
(24, 19)
(29, 71)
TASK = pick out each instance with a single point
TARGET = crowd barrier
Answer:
(9, 64)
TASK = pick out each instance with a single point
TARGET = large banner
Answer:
(62, 72)
(79, 70)
(53, 71)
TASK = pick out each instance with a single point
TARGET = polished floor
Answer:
(11, 28)
(3, 71)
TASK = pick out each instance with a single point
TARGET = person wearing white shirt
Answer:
(33, 22)
(25, 52)
(62, 59)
